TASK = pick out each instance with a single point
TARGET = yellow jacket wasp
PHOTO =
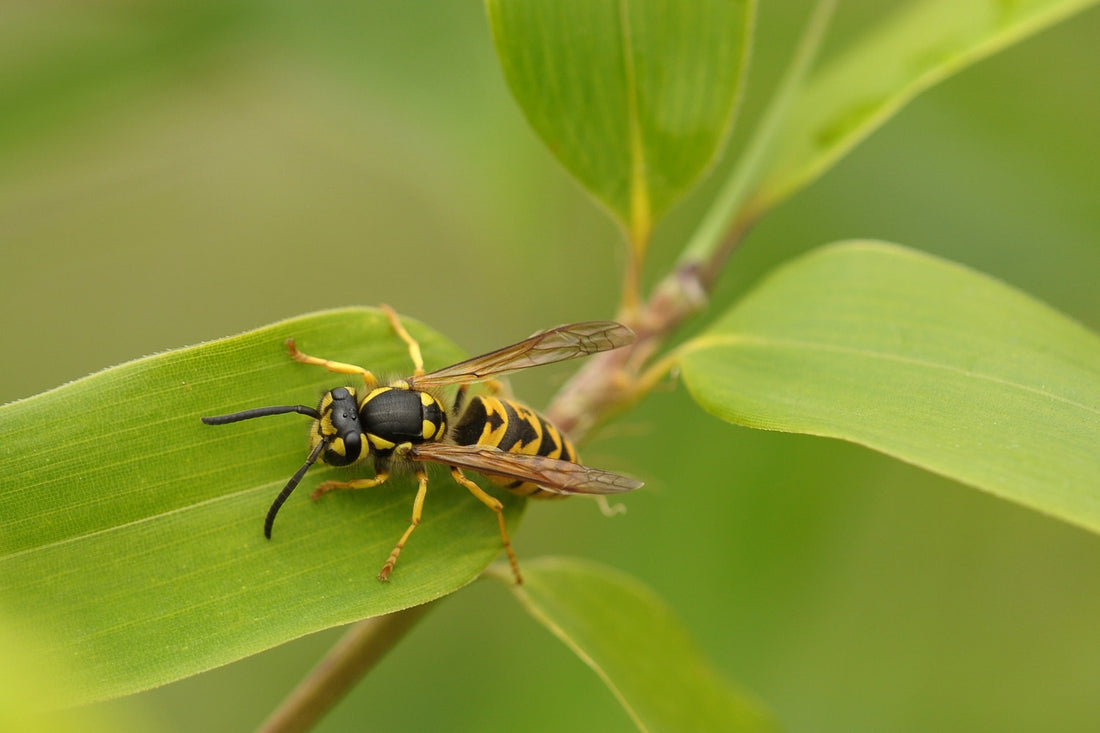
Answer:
(406, 422)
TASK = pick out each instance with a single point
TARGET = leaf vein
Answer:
(705, 342)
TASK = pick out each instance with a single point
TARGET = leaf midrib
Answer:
(704, 342)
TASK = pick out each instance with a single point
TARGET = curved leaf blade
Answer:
(637, 646)
(914, 48)
(131, 542)
(634, 98)
(918, 358)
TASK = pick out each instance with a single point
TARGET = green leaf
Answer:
(632, 640)
(634, 97)
(131, 542)
(921, 359)
(914, 48)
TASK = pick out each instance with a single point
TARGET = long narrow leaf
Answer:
(634, 97)
(917, 46)
(918, 358)
(131, 542)
(637, 646)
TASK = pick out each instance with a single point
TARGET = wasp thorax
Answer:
(391, 416)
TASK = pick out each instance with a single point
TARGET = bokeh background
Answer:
(177, 171)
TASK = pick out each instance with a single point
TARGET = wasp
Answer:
(407, 423)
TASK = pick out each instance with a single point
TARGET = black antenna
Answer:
(262, 412)
(292, 484)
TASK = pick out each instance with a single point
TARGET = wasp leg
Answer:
(497, 507)
(607, 508)
(418, 509)
(360, 483)
(333, 366)
(414, 347)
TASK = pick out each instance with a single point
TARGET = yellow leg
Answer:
(359, 483)
(418, 509)
(497, 507)
(609, 509)
(333, 366)
(414, 347)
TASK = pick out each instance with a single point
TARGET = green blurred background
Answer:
(172, 172)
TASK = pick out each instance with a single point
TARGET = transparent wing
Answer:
(562, 477)
(546, 347)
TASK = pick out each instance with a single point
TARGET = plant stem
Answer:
(358, 650)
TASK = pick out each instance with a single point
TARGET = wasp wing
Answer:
(546, 347)
(552, 474)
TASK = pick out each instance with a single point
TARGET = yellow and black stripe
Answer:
(514, 428)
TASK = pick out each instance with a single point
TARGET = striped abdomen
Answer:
(515, 428)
